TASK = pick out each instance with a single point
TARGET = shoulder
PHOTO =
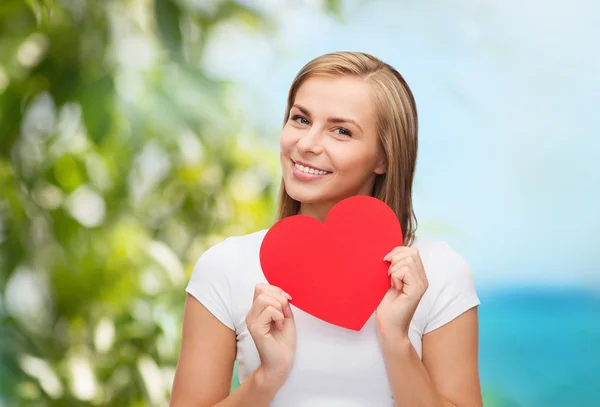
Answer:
(228, 260)
(232, 250)
(223, 271)
(451, 288)
(440, 260)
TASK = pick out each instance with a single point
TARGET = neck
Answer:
(317, 211)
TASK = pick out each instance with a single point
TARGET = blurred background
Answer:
(135, 134)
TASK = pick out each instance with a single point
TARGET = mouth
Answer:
(305, 172)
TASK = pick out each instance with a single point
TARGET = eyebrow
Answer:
(331, 119)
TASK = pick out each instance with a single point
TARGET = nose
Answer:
(311, 141)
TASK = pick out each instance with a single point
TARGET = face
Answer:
(330, 149)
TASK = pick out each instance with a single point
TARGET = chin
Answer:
(313, 197)
(303, 197)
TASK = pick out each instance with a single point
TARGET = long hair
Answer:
(397, 126)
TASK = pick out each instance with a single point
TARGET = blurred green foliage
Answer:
(120, 162)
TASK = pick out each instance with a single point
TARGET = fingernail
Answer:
(387, 256)
(289, 297)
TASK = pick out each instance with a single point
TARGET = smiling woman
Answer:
(363, 101)
(351, 155)
(350, 129)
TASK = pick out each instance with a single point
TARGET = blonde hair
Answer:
(397, 125)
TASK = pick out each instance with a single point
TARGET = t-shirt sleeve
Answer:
(211, 285)
(453, 286)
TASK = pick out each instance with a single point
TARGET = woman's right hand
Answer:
(271, 324)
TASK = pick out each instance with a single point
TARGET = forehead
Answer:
(347, 96)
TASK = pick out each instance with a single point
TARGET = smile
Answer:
(305, 173)
(309, 170)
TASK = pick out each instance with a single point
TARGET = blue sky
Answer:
(508, 167)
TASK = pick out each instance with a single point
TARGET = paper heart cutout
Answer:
(334, 271)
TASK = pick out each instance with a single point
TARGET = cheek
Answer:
(349, 160)
(286, 141)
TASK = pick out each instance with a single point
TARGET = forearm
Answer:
(255, 391)
(410, 382)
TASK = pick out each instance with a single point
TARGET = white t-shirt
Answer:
(333, 366)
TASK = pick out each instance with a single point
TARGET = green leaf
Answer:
(42, 9)
(97, 101)
(168, 15)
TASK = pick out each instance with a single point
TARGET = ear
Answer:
(381, 167)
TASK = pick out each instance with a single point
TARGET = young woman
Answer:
(350, 129)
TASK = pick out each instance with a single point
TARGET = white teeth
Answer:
(309, 170)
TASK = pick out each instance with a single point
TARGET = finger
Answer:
(277, 296)
(259, 289)
(399, 261)
(399, 250)
(397, 283)
(270, 314)
(277, 292)
(399, 278)
(262, 289)
(267, 288)
(271, 297)
(420, 270)
(408, 277)
(412, 259)
(282, 297)
(391, 253)
(261, 303)
(405, 252)
(418, 261)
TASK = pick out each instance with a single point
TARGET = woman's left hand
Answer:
(408, 284)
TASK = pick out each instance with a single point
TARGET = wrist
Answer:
(387, 332)
(266, 382)
(397, 343)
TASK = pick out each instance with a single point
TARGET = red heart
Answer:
(334, 271)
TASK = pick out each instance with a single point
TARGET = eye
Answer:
(344, 132)
(295, 118)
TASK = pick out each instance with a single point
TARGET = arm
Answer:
(205, 366)
(448, 375)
